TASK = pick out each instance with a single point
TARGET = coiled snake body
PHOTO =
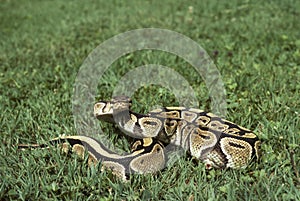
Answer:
(217, 142)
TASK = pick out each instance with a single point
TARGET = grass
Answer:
(255, 45)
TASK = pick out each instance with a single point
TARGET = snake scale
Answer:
(215, 141)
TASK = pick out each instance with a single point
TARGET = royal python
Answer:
(215, 141)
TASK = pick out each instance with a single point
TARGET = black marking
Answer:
(206, 137)
(236, 145)
(174, 114)
(169, 123)
(251, 141)
(138, 147)
(151, 123)
(204, 128)
(138, 115)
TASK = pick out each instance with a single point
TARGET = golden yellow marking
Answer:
(108, 108)
(150, 126)
(79, 150)
(202, 120)
(170, 127)
(92, 160)
(99, 106)
(201, 140)
(232, 130)
(137, 152)
(147, 141)
(249, 135)
(135, 145)
(116, 169)
(133, 118)
(189, 116)
(65, 147)
(149, 162)
(102, 108)
(238, 152)
(173, 114)
(169, 114)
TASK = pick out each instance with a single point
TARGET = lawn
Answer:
(255, 45)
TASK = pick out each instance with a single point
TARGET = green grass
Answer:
(254, 44)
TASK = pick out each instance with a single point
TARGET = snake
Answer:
(147, 155)
(217, 142)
